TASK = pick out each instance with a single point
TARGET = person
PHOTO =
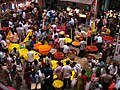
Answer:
(30, 56)
(113, 68)
(66, 48)
(117, 83)
(99, 41)
(67, 72)
(20, 32)
(4, 45)
(34, 78)
(83, 45)
(81, 80)
(106, 79)
(11, 25)
(18, 81)
(77, 68)
(53, 34)
(30, 42)
(56, 44)
(49, 77)
(27, 72)
(61, 41)
(15, 52)
(89, 36)
(58, 70)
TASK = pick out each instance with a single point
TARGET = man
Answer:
(106, 79)
(61, 41)
(66, 49)
(30, 56)
(67, 72)
(89, 36)
(21, 33)
(15, 52)
(99, 42)
(83, 45)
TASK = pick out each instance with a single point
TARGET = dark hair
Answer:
(59, 63)
(55, 36)
(74, 63)
(35, 62)
(67, 62)
(83, 72)
(107, 71)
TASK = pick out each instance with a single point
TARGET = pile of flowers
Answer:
(91, 49)
(57, 84)
(44, 49)
(108, 38)
(76, 43)
(59, 55)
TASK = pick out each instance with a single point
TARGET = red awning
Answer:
(80, 1)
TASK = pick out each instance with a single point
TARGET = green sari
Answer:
(80, 83)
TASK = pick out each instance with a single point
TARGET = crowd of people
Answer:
(46, 27)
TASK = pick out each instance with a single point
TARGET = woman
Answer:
(81, 80)
(58, 70)
(27, 72)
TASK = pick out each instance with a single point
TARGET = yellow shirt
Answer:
(108, 31)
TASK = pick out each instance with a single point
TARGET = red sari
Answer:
(27, 75)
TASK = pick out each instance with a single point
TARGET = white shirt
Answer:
(24, 15)
(65, 49)
(38, 33)
(83, 45)
(66, 71)
(14, 15)
(11, 24)
(77, 68)
(20, 30)
(26, 26)
(4, 44)
(113, 70)
(53, 35)
(0, 37)
(30, 56)
(61, 42)
(99, 39)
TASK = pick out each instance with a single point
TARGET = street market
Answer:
(59, 48)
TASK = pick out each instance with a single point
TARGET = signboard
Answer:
(117, 50)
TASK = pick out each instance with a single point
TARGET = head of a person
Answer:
(59, 63)
(55, 36)
(14, 49)
(67, 62)
(29, 49)
(30, 37)
(74, 63)
(83, 72)
(20, 25)
(54, 31)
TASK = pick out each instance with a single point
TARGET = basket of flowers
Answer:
(76, 43)
(44, 49)
(59, 55)
(91, 49)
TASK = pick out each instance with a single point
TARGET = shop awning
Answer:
(80, 1)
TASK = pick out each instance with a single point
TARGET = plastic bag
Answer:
(74, 82)
(117, 86)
